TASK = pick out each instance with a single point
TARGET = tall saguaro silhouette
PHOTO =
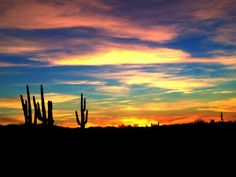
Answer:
(26, 106)
(83, 113)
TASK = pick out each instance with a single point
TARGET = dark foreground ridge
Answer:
(218, 131)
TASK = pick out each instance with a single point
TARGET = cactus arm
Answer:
(43, 103)
(29, 105)
(24, 107)
(77, 118)
(84, 109)
(35, 110)
(50, 115)
(86, 118)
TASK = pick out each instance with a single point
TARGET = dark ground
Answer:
(194, 147)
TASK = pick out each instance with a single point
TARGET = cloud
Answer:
(18, 45)
(121, 55)
(225, 35)
(113, 89)
(223, 92)
(7, 64)
(223, 60)
(10, 103)
(172, 83)
(10, 119)
(45, 15)
(226, 105)
(15, 103)
(58, 97)
(167, 106)
(213, 9)
(80, 82)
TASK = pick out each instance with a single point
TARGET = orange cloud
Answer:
(227, 105)
(11, 119)
(17, 49)
(10, 103)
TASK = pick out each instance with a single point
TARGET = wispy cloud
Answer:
(10, 119)
(81, 82)
(10, 103)
(18, 45)
(172, 83)
(15, 103)
(213, 9)
(225, 105)
(122, 89)
(226, 35)
(58, 97)
(167, 106)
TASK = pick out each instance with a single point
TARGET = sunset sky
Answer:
(136, 61)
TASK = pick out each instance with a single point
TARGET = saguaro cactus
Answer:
(26, 106)
(83, 113)
(43, 116)
(27, 110)
(221, 117)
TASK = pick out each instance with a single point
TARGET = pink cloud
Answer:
(37, 15)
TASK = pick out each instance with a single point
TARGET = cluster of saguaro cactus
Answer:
(83, 113)
(26, 105)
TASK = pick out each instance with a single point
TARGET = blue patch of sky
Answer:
(60, 33)
(16, 59)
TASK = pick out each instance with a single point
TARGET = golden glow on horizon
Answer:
(68, 119)
(140, 122)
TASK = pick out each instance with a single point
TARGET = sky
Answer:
(137, 62)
